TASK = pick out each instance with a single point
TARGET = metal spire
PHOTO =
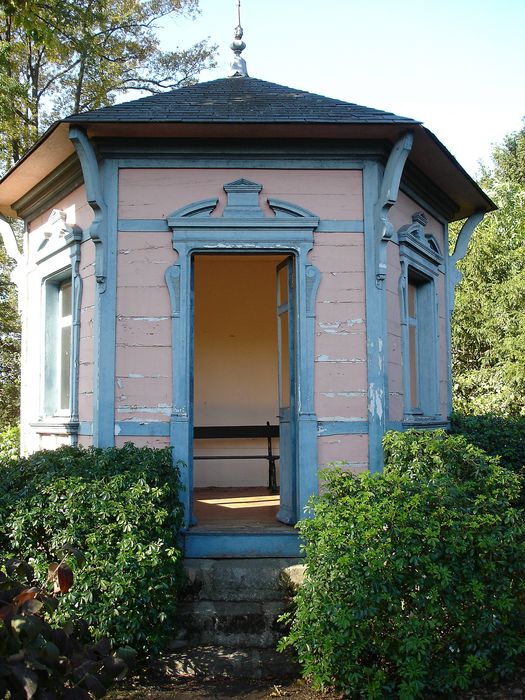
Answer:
(238, 65)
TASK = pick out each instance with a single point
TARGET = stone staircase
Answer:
(229, 618)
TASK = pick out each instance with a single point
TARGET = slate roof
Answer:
(234, 100)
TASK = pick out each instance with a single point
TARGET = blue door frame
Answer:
(243, 228)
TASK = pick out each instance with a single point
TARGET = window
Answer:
(64, 349)
(421, 264)
(420, 346)
(57, 356)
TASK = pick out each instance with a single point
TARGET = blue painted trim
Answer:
(146, 429)
(85, 428)
(287, 234)
(105, 338)
(161, 225)
(453, 277)
(375, 325)
(460, 250)
(341, 226)
(94, 195)
(179, 283)
(143, 225)
(421, 263)
(388, 194)
(269, 163)
(342, 427)
(76, 286)
(234, 545)
(448, 317)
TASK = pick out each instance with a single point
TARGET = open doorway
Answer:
(236, 390)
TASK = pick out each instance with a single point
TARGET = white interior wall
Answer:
(235, 361)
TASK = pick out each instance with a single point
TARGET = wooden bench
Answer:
(240, 432)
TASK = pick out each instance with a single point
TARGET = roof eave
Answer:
(54, 147)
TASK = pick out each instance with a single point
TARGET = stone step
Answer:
(215, 661)
(236, 579)
(236, 624)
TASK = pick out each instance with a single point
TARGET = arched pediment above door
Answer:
(243, 210)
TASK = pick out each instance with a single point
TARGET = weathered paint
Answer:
(142, 441)
(350, 449)
(154, 193)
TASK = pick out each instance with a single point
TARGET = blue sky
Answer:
(456, 65)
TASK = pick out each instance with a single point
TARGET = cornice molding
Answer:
(61, 182)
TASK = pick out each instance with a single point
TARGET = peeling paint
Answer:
(349, 360)
(334, 326)
(344, 419)
(135, 376)
(376, 402)
(117, 429)
(343, 394)
(164, 409)
(150, 319)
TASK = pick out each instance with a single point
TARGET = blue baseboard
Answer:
(231, 545)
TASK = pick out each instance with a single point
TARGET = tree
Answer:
(488, 330)
(60, 57)
(9, 346)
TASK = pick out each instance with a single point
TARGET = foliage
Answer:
(121, 507)
(9, 346)
(66, 56)
(488, 333)
(9, 444)
(38, 660)
(496, 435)
(414, 576)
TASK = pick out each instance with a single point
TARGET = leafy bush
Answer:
(9, 444)
(41, 661)
(414, 576)
(498, 436)
(121, 507)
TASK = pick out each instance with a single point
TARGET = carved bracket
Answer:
(460, 250)
(388, 194)
(94, 195)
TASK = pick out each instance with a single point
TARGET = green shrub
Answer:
(9, 444)
(121, 508)
(414, 576)
(498, 436)
(38, 660)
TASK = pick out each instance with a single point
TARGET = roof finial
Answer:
(238, 65)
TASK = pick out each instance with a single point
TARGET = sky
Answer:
(456, 65)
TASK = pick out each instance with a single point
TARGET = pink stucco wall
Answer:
(155, 193)
(340, 334)
(143, 344)
(143, 350)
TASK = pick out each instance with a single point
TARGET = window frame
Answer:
(421, 264)
(53, 370)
